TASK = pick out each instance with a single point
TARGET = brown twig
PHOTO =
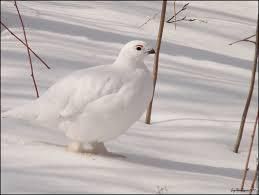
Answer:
(188, 19)
(194, 19)
(148, 20)
(174, 15)
(249, 153)
(250, 92)
(170, 20)
(24, 44)
(28, 51)
(254, 179)
(156, 60)
(183, 8)
(245, 39)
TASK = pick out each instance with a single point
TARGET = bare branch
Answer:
(174, 15)
(153, 17)
(170, 20)
(245, 39)
(194, 19)
(249, 153)
(250, 92)
(183, 8)
(28, 51)
(254, 179)
(189, 20)
(250, 41)
(175, 21)
(156, 60)
(24, 44)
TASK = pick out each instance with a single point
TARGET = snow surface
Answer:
(201, 91)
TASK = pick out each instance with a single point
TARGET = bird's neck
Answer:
(125, 61)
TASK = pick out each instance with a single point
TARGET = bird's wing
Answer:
(91, 87)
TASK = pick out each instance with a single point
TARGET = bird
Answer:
(96, 104)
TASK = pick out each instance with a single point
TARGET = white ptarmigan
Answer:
(95, 104)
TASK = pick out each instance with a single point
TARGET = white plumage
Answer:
(96, 104)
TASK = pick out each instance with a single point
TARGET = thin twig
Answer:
(24, 44)
(28, 51)
(149, 19)
(250, 41)
(174, 15)
(170, 20)
(245, 39)
(156, 60)
(254, 179)
(183, 8)
(188, 19)
(178, 20)
(249, 153)
(194, 19)
(250, 92)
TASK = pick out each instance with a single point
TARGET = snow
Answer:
(201, 91)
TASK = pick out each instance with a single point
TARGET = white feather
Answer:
(95, 104)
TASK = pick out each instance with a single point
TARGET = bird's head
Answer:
(134, 52)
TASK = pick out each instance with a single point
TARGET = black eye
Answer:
(138, 48)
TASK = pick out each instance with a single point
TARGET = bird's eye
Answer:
(138, 48)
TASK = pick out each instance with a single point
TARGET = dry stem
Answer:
(28, 51)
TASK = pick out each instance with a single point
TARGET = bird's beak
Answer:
(151, 51)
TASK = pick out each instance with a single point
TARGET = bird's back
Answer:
(94, 103)
(52, 101)
(70, 94)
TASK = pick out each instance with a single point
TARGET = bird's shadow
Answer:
(198, 119)
(163, 163)
(185, 166)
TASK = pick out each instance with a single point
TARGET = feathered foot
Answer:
(99, 148)
(75, 147)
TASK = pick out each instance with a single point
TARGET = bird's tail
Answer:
(21, 112)
(12, 113)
